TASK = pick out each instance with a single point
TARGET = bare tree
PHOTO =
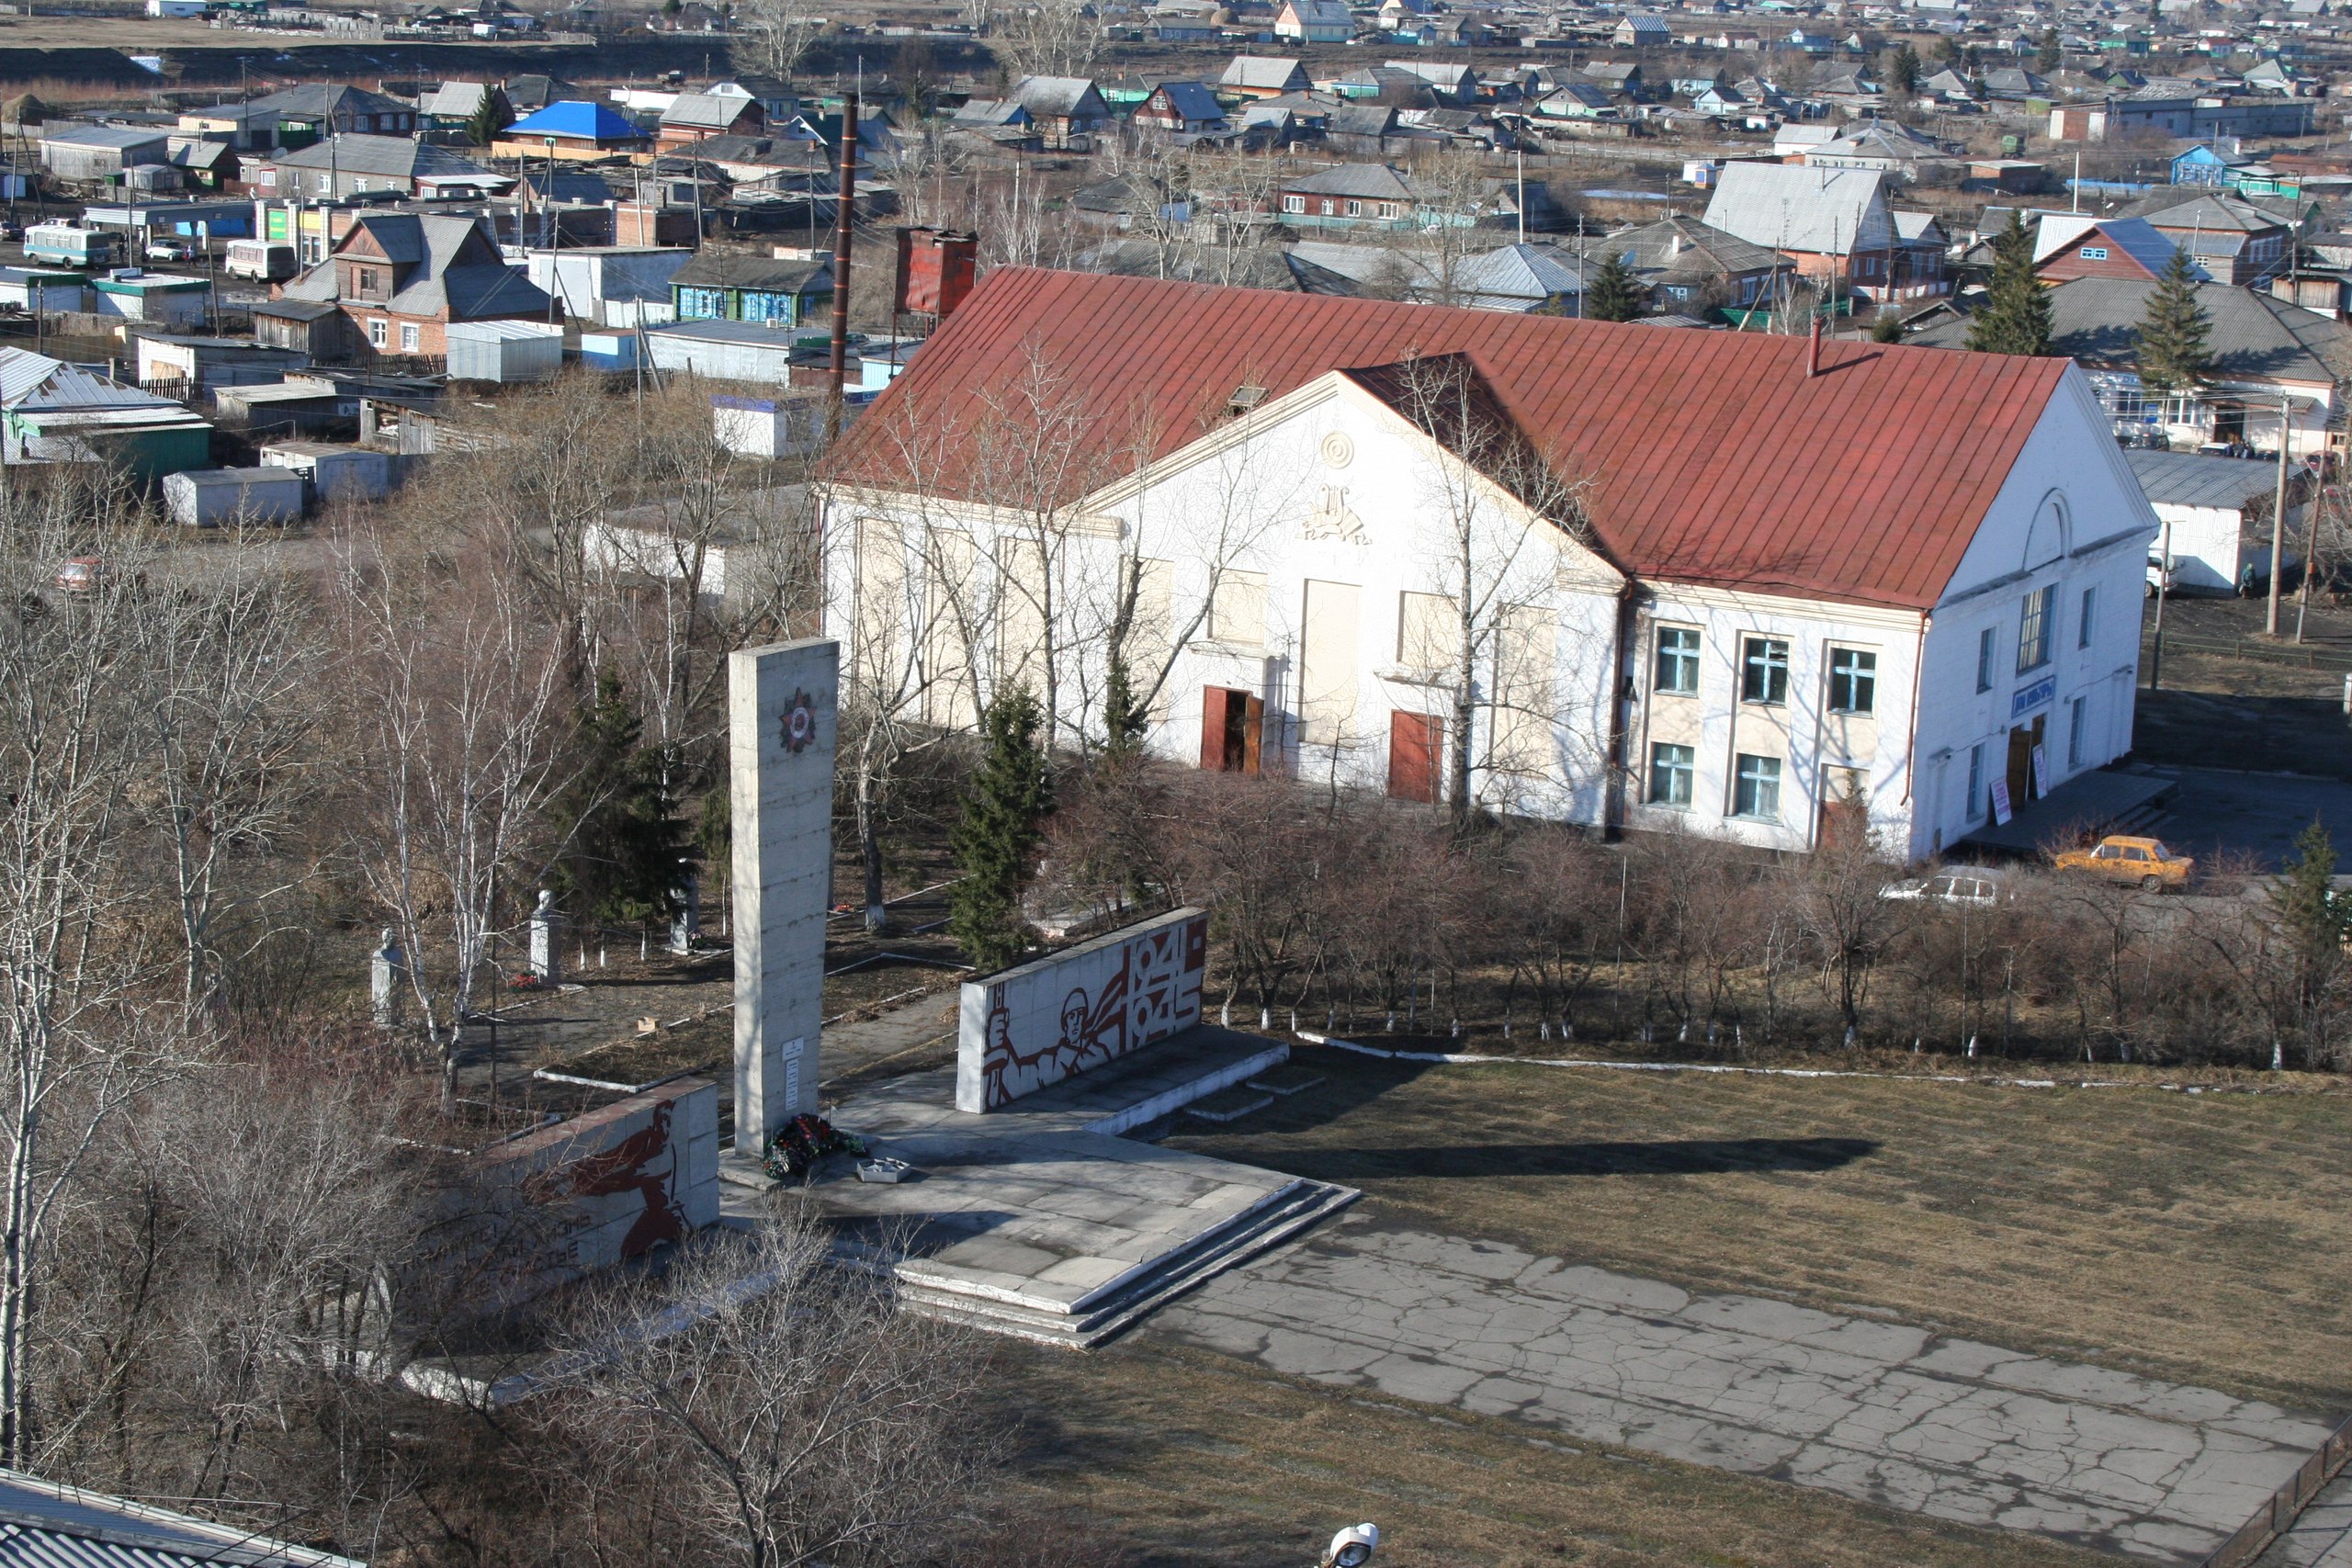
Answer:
(1048, 37)
(799, 1412)
(772, 36)
(75, 671)
(456, 682)
(1504, 522)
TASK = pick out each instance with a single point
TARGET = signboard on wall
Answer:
(1035, 1024)
(2040, 771)
(2001, 802)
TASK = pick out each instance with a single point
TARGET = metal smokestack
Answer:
(840, 262)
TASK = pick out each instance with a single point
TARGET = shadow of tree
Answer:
(1682, 1157)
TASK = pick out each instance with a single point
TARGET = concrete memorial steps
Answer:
(1038, 1219)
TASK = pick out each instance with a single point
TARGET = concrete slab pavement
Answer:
(1877, 1410)
(2322, 1536)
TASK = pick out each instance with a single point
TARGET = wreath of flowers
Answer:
(800, 1142)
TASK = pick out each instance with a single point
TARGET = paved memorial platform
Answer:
(1038, 1219)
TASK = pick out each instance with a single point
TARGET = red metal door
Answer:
(1416, 746)
(1213, 704)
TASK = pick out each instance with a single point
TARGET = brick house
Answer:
(400, 278)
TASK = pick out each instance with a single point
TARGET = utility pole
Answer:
(840, 265)
(2277, 523)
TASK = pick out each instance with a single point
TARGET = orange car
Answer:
(2144, 861)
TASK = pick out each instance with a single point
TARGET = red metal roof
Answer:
(1706, 457)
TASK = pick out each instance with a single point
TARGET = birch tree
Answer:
(76, 672)
(457, 683)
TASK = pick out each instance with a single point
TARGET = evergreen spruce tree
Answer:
(2174, 339)
(2314, 919)
(2052, 53)
(998, 832)
(490, 117)
(1613, 294)
(1887, 326)
(1904, 72)
(2015, 316)
(622, 860)
(1123, 717)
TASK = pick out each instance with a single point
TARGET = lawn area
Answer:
(1174, 1456)
(2194, 1237)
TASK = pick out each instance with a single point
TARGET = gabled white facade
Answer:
(1302, 565)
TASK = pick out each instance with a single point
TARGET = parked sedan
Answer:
(2143, 862)
(171, 250)
(1974, 889)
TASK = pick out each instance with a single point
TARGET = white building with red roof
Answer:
(1621, 575)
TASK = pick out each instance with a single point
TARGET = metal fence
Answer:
(2274, 1517)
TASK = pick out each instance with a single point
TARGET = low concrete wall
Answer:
(1038, 1023)
(615, 1183)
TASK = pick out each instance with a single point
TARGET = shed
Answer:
(35, 288)
(206, 498)
(2215, 513)
(790, 425)
(504, 351)
(334, 473)
(142, 296)
(608, 351)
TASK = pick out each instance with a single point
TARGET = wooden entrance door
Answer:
(1416, 747)
(1231, 720)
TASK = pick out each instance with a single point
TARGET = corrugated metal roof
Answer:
(1708, 457)
(1787, 208)
(571, 117)
(21, 370)
(2191, 478)
(44, 1524)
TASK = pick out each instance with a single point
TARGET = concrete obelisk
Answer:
(783, 704)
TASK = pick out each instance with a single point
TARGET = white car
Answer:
(171, 250)
(1975, 888)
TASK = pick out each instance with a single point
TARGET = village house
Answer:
(1346, 196)
(1834, 223)
(344, 166)
(1690, 267)
(2264, 350)
(1361, 533)
(725, 286)
(1181, 108)
(2071, 246)
(398, 279)
(1061, 107)
(691, 118)
(569, 130)
(1262, 76)
(2235, 240)
(1314, 21)
(315, 110)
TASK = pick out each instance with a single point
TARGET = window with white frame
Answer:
(1671, 771)
(411, 337)
(1764, 671)
(1355, 207)
(377, 333)
(1677, 661)
(1388, 210)
(1756, 788)
(1853, 680)
(2034, 629)
(1976, 781)
(1293, 204)
(2089, 615)
(2094, 252)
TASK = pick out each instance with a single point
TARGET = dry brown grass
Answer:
(1184, 1457)
(2193, 1238)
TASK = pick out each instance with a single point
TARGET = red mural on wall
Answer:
(644, 1163)
(1153, 991)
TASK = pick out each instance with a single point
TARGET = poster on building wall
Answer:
(2040, 772)
(2001, 802)
(1038, 1023)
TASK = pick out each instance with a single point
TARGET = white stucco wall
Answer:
(2069, 516)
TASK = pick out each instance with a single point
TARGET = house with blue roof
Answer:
(569, 130)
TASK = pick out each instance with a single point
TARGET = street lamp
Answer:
(1353, 1547)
